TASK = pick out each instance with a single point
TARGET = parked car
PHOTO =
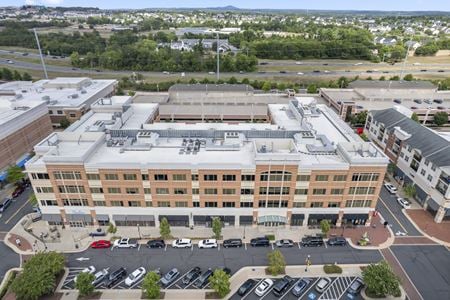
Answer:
(98, 232)
(156, 244)
(260, 242)
(232, 243)
(192, 275)
(337, 241)
(225, 269)
(323, 284)
(115, 277)
(210, 243)
(99, 277)
(203, 279)
(263, 287)
(398, 101)
(312, 241)
(182, 243)
(282, 285)
(404, 202)
(169, 277)
(390, 187)
(246, 287)
(89, 270)
(125, 243)
(298, 289)
(284, 243)
(101, 244)
(135, 276)
(18, 191)
(418, 101)
(4, 204)
(439, 101)
(356, 286)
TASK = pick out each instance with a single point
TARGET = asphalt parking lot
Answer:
(336, 290)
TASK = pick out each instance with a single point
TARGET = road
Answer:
(18, 208)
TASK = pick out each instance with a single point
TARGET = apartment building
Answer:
(305, 166)
(23, 123)
(421, 157)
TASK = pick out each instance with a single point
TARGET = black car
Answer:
(225, 269)
(246, 287)
(311, 241)
(192, 275)
(203, 279)
(438, 101)
(4, 204)
(156, 244)
(232, 243)
(282, 285)
(283, 72)
(260, 242)
(115, 277)
(337, 241)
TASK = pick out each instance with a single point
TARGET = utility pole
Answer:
(40, 53)
(404, 61)
(218, 63)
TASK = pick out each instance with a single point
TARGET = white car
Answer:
(300, 73)
(323, 284)
(390, 187)
(326, 71)
(135, 276)
(298, 63)
(125, 243)
(263, 287)
(211, 243)
(99, 277)
(358, 64)
(404, 202)
(182, 243)
(89, 270)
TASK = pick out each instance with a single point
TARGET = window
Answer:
(303, 177)
(68, 175)
(210, 204)
(275, 176)
(196, 204)
(301, 191)
(40, 176)
(111, 177)
(406, 158)
(72, 115)
(195, 191)
(180, 191)
(99, 203)
(149, 203)
(365, 176)
(59, 112)
(358, 203)
(316, 204)
(181, 204)
(340, 178)
(116, 203)
(50, 112)
(246, 204)
(163, 204)
(96, 190)
(132, 190)
(423, 172)
(44, 189)
(75, 202)
(334, 204)
(274, 190)
(162, 191)
(361, 190)
(430, 178)
(247, 177)
(229, 191)
(160, 177)
(114, 190)
(147, 191)
(298, 204)
(229, 177)
(93, 176)
(179, 177)
(210, 177)
(433, 167)
(49, 203)
(321, 177)
(427, 162)
(262, 203)
(247, 191)
(134, 203)
(194, 177)
(319, 191)
(337, 191)
(72, 189)
(210, 191)
(129, 177)
(228, 204)
(145, 177)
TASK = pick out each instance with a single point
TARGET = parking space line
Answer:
(218, 246)
(165, 248)
(138, 282)
(272, 249)
(192, 247)
(206, 286)
(139, 247)
(299, 247)
(292, 286)
(256, 285)
(178, 286)
(177, 280)
(393, 215)
(325, 245)
(268, 292)
(245, 246)
(191, 283)
(346, 287)
(117, 284)
(312, 285)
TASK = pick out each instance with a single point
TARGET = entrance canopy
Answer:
(272, 218)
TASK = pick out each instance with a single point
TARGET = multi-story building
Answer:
(306, 166)
(23, 123)
(421, 157)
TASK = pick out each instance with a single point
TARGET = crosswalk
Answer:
(337, 288)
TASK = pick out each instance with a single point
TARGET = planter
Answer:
(402, 296)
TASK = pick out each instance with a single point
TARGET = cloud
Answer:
(44, 2)
(30, 2)
(52, 2)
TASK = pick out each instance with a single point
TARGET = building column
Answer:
(94, 217)
(64, 218)
(288, 219)
(339, 220)
(369, 219)
(425, 203)
(255, 219)
(439, 215)
(156, 220)
(236, 221)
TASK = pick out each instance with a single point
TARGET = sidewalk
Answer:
(424, 221)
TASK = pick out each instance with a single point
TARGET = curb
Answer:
(5, 278)
(441, 242)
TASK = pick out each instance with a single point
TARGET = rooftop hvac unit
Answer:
(19, 96)
(83, 91)
(46, 98)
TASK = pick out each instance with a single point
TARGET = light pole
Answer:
(139, 231)
(244, 232)
(40, 53)
(218, 64)
(307, 262)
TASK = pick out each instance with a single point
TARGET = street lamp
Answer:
(307, 262)
(139, 231)
(244, 232)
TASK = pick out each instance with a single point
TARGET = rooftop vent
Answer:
(19, 96)
(46, 98)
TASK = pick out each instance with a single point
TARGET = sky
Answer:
(387, 5)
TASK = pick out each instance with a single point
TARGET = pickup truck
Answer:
(125, 243)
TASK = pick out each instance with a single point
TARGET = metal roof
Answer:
(211, 88)
(375, 84)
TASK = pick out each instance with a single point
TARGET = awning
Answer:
(79, 217)
(21, 161)
(272, 218)
(102, 217)
(119, 217)
(355, 216)
(137, 218)
(175, 218)
(3, 175)
(52, 217)
(324, 216)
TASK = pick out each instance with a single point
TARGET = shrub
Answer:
(332, 269)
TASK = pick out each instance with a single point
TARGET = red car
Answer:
(19, 190)
(101, 244)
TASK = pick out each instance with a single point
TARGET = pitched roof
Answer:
(432, 146)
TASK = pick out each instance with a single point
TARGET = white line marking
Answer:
(398, 221)
(287, 292)
(256, 285)
(118, 284)
(165, 248)
(17, 211)
(272, 249)
(245, 246)
(139, 247)
(312, 283)
(299, 247)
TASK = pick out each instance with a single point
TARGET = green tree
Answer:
(111, 228)
(440, 118)
(232, 80)
(266, 86)
(359, 119)
(84, 284)
(415, 117)
(64, 123)
(408, 77)
(410, 190)
(150, 285)
(312, 89)
(217, 227)
(277, 263)
(27, 77)
(325, 226)
(15, 174)
(220, 282)
(381, 280)
(164, 228)
(16, 75)
(7, 74)
(32, 199)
